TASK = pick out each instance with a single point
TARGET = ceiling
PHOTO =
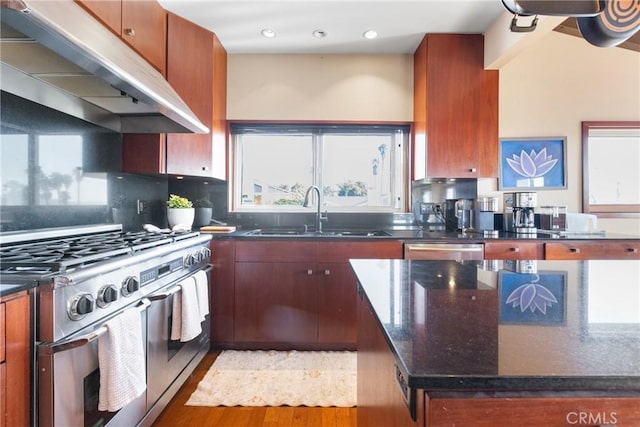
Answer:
(401, 25)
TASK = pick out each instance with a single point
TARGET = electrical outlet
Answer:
(141, 206)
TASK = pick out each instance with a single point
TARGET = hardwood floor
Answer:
(177, 414)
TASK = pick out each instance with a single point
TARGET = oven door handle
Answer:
(92, 336)
(167, 294)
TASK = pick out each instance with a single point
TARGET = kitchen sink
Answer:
(329, 233)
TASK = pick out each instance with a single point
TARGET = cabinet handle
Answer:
(205, 168)
(575, 250)
(327, 272)
(472, 170)
(309, 272)
(632, 250)
(130, 32)
(514, 249)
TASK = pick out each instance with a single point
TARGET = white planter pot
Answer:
(183, 217)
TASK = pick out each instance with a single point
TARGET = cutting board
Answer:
(218, 229)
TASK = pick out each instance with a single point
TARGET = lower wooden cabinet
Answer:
(513, 249)
(531, 411)
(289, 294)
(15, 376)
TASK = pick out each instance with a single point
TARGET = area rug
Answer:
(277, 378)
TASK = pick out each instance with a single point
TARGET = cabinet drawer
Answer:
(624, 249)
(533, 411)
(276, 251)
(343, 251)
(513, 250)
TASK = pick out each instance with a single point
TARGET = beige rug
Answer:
(276, 378)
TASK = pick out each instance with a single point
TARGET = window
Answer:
(610, 168)
(359, 168)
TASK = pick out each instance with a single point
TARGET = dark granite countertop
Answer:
(509, 325)
(11, 288)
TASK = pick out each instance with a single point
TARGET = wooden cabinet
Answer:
(296, 294)
(141, 24)
(455, 109)
(513, 249)
(15, 377)
(620, 249)
(197, 70)
(457, 409)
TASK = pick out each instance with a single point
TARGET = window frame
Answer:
(402, 158)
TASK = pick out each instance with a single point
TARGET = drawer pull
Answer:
(575, 250)
(327, 272)
(514, 249)
(130, 32)
(309, 272)
(632, 250)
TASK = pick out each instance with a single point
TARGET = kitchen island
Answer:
(498, 342)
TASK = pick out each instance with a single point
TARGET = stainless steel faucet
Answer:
(319, 216)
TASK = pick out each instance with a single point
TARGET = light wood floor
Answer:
(177, 414)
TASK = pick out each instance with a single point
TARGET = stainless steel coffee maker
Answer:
(519, 212)
(459, 214)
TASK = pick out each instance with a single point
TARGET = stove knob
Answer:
(205, 254)
(129, 286)
(190, 259)
(80, 306)
(107, 295)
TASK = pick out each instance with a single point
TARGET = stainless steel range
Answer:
(87, 276)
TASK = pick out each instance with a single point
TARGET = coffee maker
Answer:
(519, 212)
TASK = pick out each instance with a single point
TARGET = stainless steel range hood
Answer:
(56, 54)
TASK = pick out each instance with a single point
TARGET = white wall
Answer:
(320, 87)
(550, 88)
(547, 90)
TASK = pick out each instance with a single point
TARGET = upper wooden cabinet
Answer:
(455, 109)
(197, 70)
(141, 24)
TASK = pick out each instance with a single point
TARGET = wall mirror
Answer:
(611, 168)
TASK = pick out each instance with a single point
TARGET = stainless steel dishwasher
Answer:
(444, 251)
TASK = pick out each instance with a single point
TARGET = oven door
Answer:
(69, 383)
(168, 360)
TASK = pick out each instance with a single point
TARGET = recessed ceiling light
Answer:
(370, 34)
(268, 33)
(319, 34)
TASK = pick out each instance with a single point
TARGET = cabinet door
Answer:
(457, 108)
(337, 302)
(513, 249)
(222, 290)
(275, 302)
(144, 27)
(624, 249)
(18, 357)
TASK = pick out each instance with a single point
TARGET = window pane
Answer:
(14, 152)
(357, 170)
(275, 170)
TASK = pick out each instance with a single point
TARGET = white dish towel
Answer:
(186, 312)
(121, 361)
(202, 288)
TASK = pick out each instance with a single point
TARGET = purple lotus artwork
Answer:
(532, 296)
(532, 163)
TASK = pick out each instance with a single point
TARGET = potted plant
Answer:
(180, 211)
(204, 210)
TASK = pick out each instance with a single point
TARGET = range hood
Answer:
(55, 54)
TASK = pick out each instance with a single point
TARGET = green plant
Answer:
(203, 202)
(177, 202)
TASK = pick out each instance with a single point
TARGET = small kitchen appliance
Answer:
(429, 216)
(487, 207)
(459, 214)
(519, 212)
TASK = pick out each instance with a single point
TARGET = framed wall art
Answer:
(533, 164)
